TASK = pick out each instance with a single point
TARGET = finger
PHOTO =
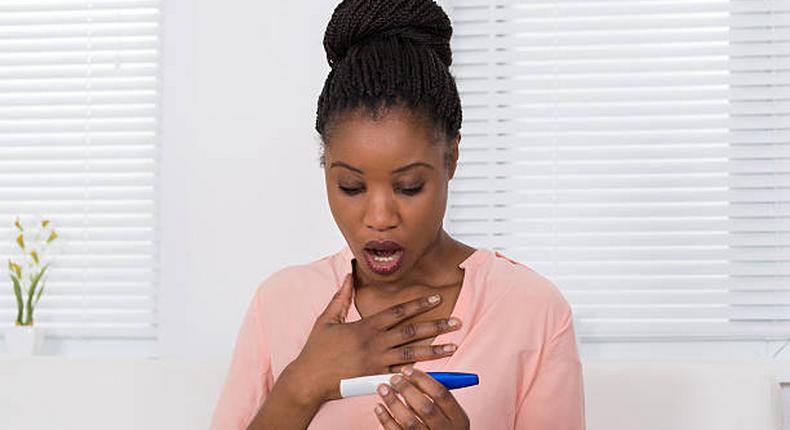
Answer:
(398, 368)
(429, 413)
(405, 417)
(386, 420)
(412, 331)
(437, 392)
(392, 315)
(412, 353)
(337, 309)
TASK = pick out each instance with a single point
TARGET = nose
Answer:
(381, 213)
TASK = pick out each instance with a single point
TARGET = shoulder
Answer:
(287, 301)
(296, 284)
(526, 292)
(518, 281)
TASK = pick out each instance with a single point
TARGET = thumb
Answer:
(337, 309)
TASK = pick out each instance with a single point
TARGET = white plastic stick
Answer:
(363, 385)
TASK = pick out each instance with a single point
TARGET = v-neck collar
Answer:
(462, 309)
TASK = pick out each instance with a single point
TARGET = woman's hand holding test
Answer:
(429, 404)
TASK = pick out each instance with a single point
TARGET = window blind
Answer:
(79, 106)
(636, 153)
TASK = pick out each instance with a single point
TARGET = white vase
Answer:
(23, 340)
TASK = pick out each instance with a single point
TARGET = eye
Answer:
(349, 191)
(411, 191)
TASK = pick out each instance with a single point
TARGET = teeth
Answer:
(388, 259)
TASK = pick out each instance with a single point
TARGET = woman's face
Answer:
(376, 191)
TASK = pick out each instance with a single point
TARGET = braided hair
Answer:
(388, 54)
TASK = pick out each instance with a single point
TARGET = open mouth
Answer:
(384, 262)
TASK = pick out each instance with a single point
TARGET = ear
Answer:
(454, 155)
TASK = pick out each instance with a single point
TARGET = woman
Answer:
(389, 117)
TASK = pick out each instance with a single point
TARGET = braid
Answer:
(385, 54)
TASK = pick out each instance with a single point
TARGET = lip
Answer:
(386, 245)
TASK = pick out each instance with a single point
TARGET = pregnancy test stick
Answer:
(364, 385)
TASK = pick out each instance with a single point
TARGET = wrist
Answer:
(300, 387)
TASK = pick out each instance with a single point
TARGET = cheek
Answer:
(346, 212)
(428, 206)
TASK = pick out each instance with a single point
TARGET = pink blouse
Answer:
(517, 335)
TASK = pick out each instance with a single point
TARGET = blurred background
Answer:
(637, 153)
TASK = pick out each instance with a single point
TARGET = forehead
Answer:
(382, 144)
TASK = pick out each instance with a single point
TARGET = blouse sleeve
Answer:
(555, 400)
(249, 378)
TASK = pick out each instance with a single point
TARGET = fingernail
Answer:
(383, 390)
(453, 322)
(433, 299)
(408, 371)
(396, 379)
(449, 348)
(379, 409)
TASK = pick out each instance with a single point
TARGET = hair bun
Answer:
(357, 22)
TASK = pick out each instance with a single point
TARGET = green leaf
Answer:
(18, 294)
(34, 282)
(40, 290)
(29, 304)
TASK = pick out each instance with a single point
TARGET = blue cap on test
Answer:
(455, 379)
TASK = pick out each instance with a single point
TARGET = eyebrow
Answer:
(398, 170)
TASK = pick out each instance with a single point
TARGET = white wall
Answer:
(242, 191)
